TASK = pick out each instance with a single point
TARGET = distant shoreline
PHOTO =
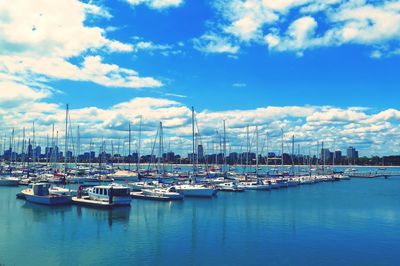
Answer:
(240, 165)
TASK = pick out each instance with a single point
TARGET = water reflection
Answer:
(41, 213)
(118, 215)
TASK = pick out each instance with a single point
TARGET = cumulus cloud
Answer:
(156, 4)
(372, 133)
(299, 25)
(212, 43)
(42, 42)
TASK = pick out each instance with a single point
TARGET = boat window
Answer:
(105, 191)
(120, 192)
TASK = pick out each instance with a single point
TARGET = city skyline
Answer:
(256, 63)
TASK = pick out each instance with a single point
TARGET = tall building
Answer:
(352, 153)
(200, 152)
(326, 155)
(338, 155)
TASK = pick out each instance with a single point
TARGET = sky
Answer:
(321, 70)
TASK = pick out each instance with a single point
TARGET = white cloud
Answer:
(372, 133)
(42, 42)
(211, 43)
(311, 24)
(239, 85)
(157, 4)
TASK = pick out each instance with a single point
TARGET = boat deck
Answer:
(139, 195)
(92, 203)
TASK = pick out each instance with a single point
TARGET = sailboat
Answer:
(159, 192)
(192, 189)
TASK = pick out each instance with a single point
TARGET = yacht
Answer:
(104, 196)
(159, 193)
(256, 185)
(9, 181)
(196, 190)
(230, 187)
(39, 193)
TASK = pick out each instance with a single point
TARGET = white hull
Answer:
(46, 200)
(196, 191)
(9, 182)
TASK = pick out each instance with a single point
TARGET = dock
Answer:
(372, 174)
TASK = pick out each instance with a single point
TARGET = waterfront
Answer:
(354, 222)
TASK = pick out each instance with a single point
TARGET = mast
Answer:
(334, 154)
(129, 148)
(66, 140)
(33, 142)
(292, 154)
(282, 150)
(140, 140)
(78, 148)
(194, 162)
(267, 161)
(23, 147)
(247, 148)
(225, 165)
(160, 150)
(323, 157)
(257, 152)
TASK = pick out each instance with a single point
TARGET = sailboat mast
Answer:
(194, 162)
(129, 148)
(139, 144)
(33, 141)
(292, 154)
(225, 166)
(257, 152)
(160, 150)
(66, 140)
(282, 150)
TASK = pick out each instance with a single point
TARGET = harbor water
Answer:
(355, 222)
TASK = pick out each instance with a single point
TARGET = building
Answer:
(352, 153)
(326, 155)
(338, 155)
(200, 152)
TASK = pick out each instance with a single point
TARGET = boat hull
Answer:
(9, 182)
(197, 192)
(47, 200)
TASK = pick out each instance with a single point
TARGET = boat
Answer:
(229, 187)
(159, 193)
(9, 181)
(39, 193)
(257, 185)
(123, 175)
(138, 186)
(104, 196)
(196, 190)
(62, 191)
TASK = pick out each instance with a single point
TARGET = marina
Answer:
(191, 133)
(313, 223)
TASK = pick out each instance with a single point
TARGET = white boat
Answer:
(292, 182)
(138, 186)
(104, 196)
(159, 193)
(39, 193)
(9, 181)
(123, 175)
(254, 186)
(229, 187)
(63, 191)
(196, 190)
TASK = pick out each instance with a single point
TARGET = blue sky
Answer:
(319, 69)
